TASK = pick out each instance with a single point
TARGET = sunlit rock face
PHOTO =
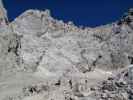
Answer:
(44, 58)
(42, 37)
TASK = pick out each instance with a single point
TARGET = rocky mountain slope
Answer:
(46, 59)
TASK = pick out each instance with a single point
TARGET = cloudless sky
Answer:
(82, 12)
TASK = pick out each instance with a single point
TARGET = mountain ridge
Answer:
(42, 57)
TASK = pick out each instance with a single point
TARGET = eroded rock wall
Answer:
(66, 61)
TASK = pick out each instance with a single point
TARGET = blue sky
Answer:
(82, 12)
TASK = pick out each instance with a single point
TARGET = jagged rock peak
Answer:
(51, 24)
(45, 20)
(36, 12)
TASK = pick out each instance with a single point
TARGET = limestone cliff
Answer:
(44, 58)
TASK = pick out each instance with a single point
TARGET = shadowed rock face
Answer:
(42, 57)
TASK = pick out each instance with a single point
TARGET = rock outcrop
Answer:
(44, 58)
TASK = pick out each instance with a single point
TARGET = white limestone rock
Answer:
(36, 48)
